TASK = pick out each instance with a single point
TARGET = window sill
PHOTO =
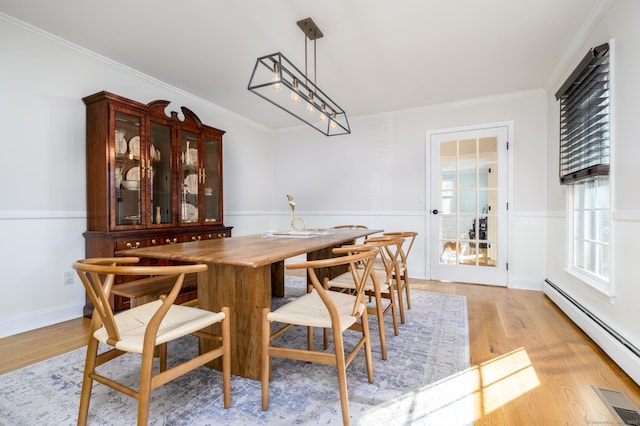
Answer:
(599, 287)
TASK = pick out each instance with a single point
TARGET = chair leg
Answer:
(162, 352)
(144, 395)
(87, 381)
(265, 370)
(406, 287)
(341, 369)
(367, 345)
(226, 357)
(310, 339)
(379, 311)
(394, 312)
(325, 338)
(400, 304)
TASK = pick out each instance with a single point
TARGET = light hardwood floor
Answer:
(532, 365)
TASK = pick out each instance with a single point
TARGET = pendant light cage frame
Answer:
(278, 81)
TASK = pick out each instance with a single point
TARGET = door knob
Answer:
(434, 211)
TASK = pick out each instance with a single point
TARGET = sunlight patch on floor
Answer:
(448, 401)
(462, 398)
(501, 380)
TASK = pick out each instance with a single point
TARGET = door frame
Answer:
(431, 233)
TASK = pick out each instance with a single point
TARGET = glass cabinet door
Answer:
(127, 170)
(211, 177)
(161, 175)
(190, 177)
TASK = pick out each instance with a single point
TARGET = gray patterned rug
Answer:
(423, 382)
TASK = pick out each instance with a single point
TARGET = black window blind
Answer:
(584, 118)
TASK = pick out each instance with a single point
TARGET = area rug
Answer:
(421, 383)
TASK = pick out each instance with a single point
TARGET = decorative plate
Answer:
(191, 184)
(134, 146)
(190, 213)
(133, 173)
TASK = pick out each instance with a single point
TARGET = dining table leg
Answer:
(246, 291)
(277, 279)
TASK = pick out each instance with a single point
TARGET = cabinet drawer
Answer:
(134, 243)
(201, 236)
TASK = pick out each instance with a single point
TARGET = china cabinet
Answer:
(152, 179)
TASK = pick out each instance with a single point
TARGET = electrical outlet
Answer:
(68, 278)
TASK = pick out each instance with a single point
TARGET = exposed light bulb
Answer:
(276, 77)
(333, 124)
(310, 107)
(323, 113)
(295, 97)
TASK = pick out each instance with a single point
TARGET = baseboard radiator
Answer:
(623, 352)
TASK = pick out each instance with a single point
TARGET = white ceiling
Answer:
(375, 56)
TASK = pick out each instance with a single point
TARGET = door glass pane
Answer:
(448, 198)
(483, 202)
(190, 177)
(160, 155)
(467, 202)
(448, 252)
(448, 227)
(212, 179)
(127, 172)
(469, 190)
(468, 163)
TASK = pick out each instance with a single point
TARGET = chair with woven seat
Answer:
(324, 309)
(403, 270)
(380, 284)
(144, 328)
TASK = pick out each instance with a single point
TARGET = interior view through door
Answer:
(468, 216)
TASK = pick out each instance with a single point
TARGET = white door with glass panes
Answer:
(468, 205)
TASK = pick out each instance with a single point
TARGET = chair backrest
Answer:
(409, 238)
(390, 249)
(98, 277)
(352, 256)
(351, 227)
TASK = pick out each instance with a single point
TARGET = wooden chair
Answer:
(403, 272)
(380, 284)
(359, 240)
(326, 309)
(143, 328)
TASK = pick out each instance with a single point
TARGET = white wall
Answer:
(620, 313)
(42, 168)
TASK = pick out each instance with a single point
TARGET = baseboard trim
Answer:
(620, 350)
(523, 284)
(33, 320)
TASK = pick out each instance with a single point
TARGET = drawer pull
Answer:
(131, 246)
(194, 238)
(175, 240)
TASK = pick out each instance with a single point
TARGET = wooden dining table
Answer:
(244, 273)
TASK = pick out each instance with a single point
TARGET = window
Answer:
(584, 164)
(590, 229)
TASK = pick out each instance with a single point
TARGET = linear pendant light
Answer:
(277, 80)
